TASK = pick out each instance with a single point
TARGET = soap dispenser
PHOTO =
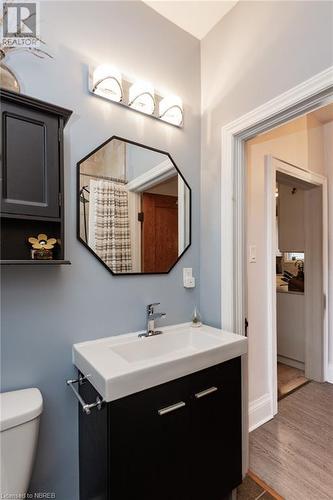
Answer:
(196, 318)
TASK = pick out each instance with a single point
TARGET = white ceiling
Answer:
(195, 17)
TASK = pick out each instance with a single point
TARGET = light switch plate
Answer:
(188, 280)
(253, 254)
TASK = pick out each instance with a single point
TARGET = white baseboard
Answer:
(329, 375)
(290, 362)
(260, 411)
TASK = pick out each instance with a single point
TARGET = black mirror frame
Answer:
(128, 141)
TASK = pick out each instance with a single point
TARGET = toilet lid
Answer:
(18, 407)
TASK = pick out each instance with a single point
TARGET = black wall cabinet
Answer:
(31, 174)
(129, 450)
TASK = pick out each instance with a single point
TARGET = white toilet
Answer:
(19, 424)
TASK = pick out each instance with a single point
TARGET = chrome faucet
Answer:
(151, 316)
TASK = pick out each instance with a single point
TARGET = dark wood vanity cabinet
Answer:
(31, 174)
(216, 431)
(135, 449)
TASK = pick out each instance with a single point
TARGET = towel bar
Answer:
(86, 407)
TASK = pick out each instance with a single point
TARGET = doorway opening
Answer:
(289, 183)
(287, 233)
(294, 251)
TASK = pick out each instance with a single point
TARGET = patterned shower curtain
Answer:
(109, 230)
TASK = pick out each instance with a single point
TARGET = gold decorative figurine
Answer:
(42, 247)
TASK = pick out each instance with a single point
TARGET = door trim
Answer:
(305, 97)
(162, 172)
(272, 166)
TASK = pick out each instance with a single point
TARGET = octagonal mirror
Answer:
(134, 208)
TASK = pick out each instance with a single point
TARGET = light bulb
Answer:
(141, 97)
(107, 82)
(171, 110)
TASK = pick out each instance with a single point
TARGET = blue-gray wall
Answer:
(45, 311)
(256, 52)
(140, 160)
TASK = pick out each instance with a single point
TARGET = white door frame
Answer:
(299, 100)
(162, 172)
(272, 166)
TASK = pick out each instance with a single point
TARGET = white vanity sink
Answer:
(178, 343)
(125, 364)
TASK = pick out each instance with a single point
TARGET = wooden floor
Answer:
(293, 452)
(253, 488)
(289, 379)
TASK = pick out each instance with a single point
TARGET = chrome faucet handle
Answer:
(150, 307)
(151, 316)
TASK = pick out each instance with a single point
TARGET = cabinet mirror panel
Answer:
(134, 208)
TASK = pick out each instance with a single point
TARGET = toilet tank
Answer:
(19, 424)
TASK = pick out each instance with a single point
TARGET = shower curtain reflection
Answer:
(109, 230)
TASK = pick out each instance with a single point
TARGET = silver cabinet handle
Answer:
(204, 393)
(168, 409)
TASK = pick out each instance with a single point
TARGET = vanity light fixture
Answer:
(171, 110)
(141, 97)
(107, 82)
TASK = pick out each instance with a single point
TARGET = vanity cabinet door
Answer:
(30, 161)
(216, 431)
(178, 441)
(149, 444)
